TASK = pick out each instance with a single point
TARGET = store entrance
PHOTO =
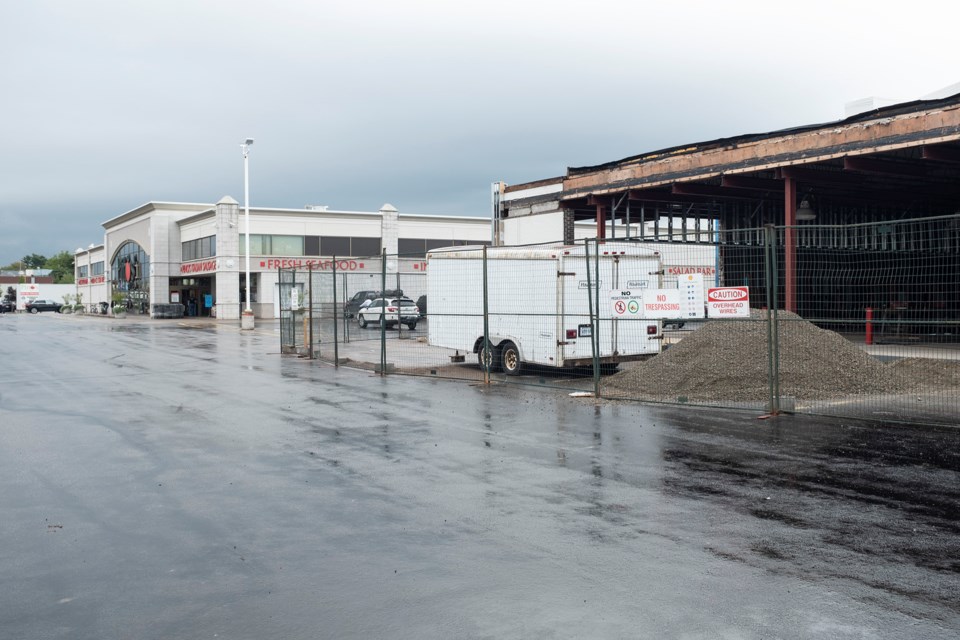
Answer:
(195, 294)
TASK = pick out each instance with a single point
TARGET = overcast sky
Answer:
(106, 104)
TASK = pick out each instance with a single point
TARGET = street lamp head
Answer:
(248, 142)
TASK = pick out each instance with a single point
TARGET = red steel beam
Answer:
(813, 176)
(941, 153)
(750, 182)
(872, 165)
(653, 195)
(713, 191)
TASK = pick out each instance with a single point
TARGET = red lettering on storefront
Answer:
(312, 264)
(681, 270)
(199, 267)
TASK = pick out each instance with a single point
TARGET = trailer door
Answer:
(577, 294)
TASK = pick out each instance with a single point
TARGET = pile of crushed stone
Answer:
(727, 360)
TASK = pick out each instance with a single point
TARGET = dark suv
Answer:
(36, 306)
(353, 304)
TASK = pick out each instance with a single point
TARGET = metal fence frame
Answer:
(779, 263)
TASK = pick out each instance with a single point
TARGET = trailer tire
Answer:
(493, 360)
(510, 359)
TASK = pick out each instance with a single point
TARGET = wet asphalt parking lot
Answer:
(168, 481)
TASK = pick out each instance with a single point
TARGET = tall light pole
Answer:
(246, 318)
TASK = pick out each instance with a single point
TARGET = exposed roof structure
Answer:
(897, 161)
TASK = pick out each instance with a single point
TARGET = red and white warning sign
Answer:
(728, 302)
(661, 303)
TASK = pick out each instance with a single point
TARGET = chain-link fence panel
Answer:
(871, 326)
(859, 320)
(715, 339)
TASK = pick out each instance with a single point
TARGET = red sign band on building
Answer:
(682, 271)
(317, 265)
(199, 267)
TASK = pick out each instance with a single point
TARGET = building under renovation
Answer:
(864, 213)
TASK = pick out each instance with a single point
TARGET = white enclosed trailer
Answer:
(539, 301)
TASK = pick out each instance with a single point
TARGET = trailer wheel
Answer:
(510, 359)
(492, 360)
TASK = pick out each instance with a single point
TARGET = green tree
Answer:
(61, 267)
(34, 261)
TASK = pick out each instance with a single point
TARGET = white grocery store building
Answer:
(165, 253)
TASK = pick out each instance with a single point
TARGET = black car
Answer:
(353, 304)
(7, 305)
(422, 305)
(36, 306)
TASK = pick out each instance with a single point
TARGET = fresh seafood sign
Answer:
(728, 302)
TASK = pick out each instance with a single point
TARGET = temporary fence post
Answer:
(383, 313)
(280, 301)
(399, 295)
(593, 324)
(346, 320)
(310, 308)
(869, 326)
(769, 271)
(336, 319)
(596, 329)
(487, 353)
(776, 319)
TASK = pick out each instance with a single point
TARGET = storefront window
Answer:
(130, 275)
(200, 248)
(287, 246)
(264, 245)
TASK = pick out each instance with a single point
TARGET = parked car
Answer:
(353, 304)
(388, 310)
(422, 306)
(7, 305)
(36, 306)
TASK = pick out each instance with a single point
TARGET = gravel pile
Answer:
(727, 360)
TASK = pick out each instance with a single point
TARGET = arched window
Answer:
(130, 273)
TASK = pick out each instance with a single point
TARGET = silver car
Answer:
(389, 311)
